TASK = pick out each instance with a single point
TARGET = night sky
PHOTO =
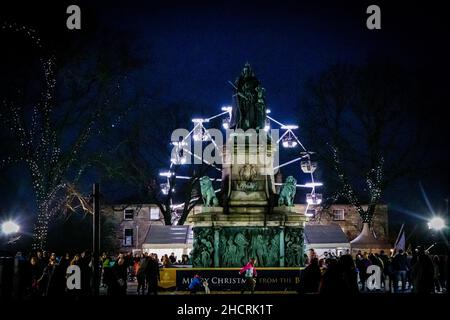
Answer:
(192, 49)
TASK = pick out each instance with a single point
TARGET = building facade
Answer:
(347, 217)
(140, 227)
(133, 223)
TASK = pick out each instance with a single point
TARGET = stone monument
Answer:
(250, 220)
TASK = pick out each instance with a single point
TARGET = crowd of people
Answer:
(416, 272)
(45, 274)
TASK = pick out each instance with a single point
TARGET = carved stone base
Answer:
(229, 240)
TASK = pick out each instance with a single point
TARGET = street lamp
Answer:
(10, 227)
(436, 223)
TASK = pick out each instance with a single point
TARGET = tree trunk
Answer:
(40, 232)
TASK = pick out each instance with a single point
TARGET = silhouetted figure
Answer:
(362, 263)
(119, 278)
(437, 274)
(54, 279)
(35, 274)
(332, 280)
(152, 275)
(310, 277)
(400, 269)
(423, 273)
(349, 274)
(140, 274)
(172, 258)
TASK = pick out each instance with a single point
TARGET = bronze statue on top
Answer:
(249, 108)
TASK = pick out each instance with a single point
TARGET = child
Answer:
(196, 284)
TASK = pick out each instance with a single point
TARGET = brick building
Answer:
(348, 219)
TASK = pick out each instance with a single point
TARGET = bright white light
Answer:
(179, 143)
(226, 124)
(268, 111)
(313, 184)
(308, 166)
(10, 227)
(313, 198)
(166, 174)
(436, 223)
(165, 188)
(199, 120)
(289, 127)
(227, 108)
(289, 144)
(178, 160)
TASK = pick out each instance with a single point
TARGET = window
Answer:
(128, 214)
(154, 213)
(338, 215)
(128, 237)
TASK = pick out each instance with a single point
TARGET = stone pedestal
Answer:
(247, 170)
(229, 240)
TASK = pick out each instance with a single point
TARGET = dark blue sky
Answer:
(199, 48)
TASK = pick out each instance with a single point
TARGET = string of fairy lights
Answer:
(374, 180)
(38, 145)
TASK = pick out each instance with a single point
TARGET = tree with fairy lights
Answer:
(55, 137)
(132, 167)
(368, 115)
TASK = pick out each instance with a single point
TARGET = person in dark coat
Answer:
(332, 280)
(54, 279)
(349, 274)
(140, 274)
(310, 277)
(423, 273)
(386, 270)
(119, 274)
(362, 263)
(35, 274)
(86, 272)
(400, 269)
(152, 275)
(42, 263)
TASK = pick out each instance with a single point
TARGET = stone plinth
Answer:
(247, 170)
(229, 240)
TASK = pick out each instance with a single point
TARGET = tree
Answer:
(143, 152)
(364, 120)
(56, 137)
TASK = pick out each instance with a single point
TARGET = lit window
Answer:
(154, 213)
(128, 237)
(128, 214)
(338, 215)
